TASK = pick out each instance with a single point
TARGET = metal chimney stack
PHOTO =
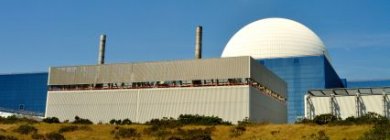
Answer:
(198, 43)
(102, 48)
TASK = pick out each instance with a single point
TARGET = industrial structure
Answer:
(290, 50)
(347, 102)
(23, 93)
(231, 88)
(267, 64)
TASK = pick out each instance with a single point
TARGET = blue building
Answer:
(301, 75)
(23, 93)
(368, 83)
(290, 50)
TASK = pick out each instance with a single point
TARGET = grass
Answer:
(254, 132)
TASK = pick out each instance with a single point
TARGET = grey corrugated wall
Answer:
(264, 108)
(140, 105)
(203, 69)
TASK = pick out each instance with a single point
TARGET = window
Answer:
(21, 106)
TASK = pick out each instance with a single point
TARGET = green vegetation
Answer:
(26, 129)
(15, 119)
(188, 127)
(54, 136)
(120, 122)
(51, 120)
(78, 120)
(369, 118)
(121, 132)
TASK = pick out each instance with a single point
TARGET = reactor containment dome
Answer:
(274, 38)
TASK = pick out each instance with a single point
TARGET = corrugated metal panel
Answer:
(373, 103)
(95, 105)
(237, 67)
(321, 105)
(266, 109)
(346, 106)
(266, 77)
(229, 103)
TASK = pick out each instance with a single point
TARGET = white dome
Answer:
(274, 38)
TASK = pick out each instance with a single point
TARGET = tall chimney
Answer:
(102, 48)
(198, 43)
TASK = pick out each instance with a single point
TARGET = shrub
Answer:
(26, 129)
(370, 118)
(3, 137)
(237, 131)
(126, 122)
(244, 122)
(304, 121)
(112, 121)
(37, 136)
(164, 123)
(120, 122)
(78, 120)
(325, 119)
(159, 132)
(195, 134)
(125, 132)
(70, 128)
(54, 136)
(380, 131)
(51, 120)
(321, 135)
(201, 120)
(15, 119)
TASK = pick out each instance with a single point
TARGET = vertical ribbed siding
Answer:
(321, 105)
(266, 109)
(225, 68)
(346, 105)
(229, 103)
(373, 103)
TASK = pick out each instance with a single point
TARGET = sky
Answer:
(35, 35)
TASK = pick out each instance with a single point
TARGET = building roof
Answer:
(181, 70)
(350, 91)
(274, 38)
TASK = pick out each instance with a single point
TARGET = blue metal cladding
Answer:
(24, 92)
(368, 83)
(301, 75)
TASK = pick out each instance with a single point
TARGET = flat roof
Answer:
(350, 91)
(183, 70)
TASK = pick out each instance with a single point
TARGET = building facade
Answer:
(301, 75)
(23, 93)
(347, 102)
(368, 83)
(231, 88)
(290, 50)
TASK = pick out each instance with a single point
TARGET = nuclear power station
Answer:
(272, 70)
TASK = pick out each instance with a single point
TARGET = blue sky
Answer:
(37, 34)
